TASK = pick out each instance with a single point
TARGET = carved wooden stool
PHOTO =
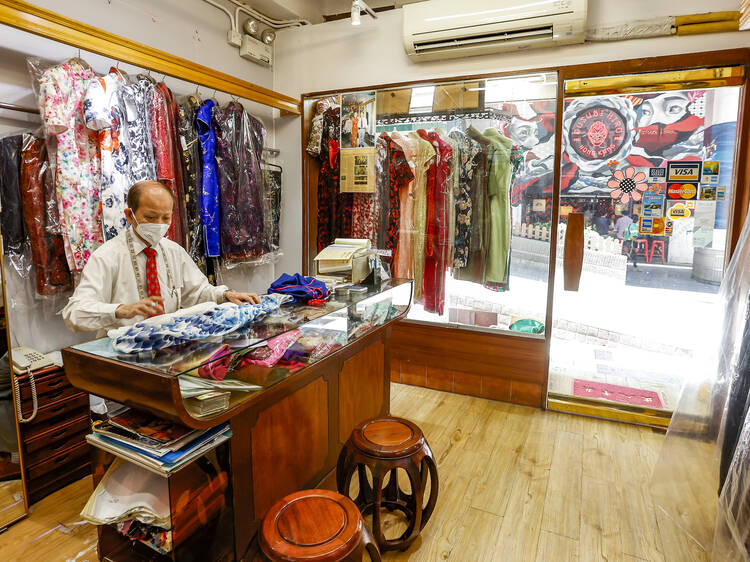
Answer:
(385, 445)
(316, 526)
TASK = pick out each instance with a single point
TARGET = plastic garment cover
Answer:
(239, 148)
(709, 435)
(272, 208)
(61, 91)
(209, 195)
(192, 177)
(180, 328)
(167, 167)
(11, 217)
(47, 250)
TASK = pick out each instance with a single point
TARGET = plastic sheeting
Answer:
(699, 452)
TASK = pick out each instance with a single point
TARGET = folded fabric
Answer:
(276, 346)
(217, 365)
(180, 328)
(299, 287)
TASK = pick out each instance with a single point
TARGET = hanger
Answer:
(147, 76)
(272, 165)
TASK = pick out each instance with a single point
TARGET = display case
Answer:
(300, 379)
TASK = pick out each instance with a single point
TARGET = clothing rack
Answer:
(438, 116)
(22, 109)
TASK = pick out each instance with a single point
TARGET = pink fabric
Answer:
(216, 370)
(615, 393)
(278, 346)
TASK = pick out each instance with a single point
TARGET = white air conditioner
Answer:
(440, 29)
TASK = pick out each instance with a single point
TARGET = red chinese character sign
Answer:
(598, 133)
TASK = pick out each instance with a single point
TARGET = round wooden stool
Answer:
(385, 445)
(316, 526)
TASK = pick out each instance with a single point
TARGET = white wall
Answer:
(337, 55)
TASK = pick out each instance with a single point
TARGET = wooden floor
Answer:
(516, 484)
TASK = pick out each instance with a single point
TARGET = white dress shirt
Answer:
(108, 280)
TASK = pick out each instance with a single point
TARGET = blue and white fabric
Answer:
(185, 325)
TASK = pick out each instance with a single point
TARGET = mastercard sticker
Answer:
(684, 191)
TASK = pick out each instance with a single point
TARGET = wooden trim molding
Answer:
(51, 25)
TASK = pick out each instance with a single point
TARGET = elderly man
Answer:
(139, 273)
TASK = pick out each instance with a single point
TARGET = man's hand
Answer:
(241, 298)
(147, 307)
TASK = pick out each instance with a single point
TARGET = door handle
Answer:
(573, 253)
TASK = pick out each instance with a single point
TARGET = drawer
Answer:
(71, 472)
(55, 447)
(54, 395)
(57, 433)
(48, 415)
(45, 384)
(59, 461)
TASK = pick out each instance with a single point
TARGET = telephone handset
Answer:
(26, 361)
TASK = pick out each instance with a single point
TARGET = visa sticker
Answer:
(684, 171)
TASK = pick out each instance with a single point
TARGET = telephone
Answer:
(26, 361)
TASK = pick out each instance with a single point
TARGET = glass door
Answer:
(645, 193)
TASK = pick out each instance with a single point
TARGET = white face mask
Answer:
(151, 232)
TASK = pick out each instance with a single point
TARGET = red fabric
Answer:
(152, 280)
(166, 167)
(437, 236)
(180, 204)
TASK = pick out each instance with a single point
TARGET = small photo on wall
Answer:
(358, 120)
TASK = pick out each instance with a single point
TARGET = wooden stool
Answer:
(316, 525)
(385, 445)
(654, 245)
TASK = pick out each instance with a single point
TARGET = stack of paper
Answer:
(158, 445)
(128, 492)
(209, 403)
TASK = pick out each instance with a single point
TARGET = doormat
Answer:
(615, 393)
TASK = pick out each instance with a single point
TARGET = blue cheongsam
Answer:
(210, 186)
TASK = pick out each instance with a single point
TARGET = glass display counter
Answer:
(298, 381)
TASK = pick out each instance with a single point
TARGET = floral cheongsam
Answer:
(192, 174)
(209, 183)
(138, 117)
(77, 175)
(103, 112)
(469, 152)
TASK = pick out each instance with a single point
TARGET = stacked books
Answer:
(155, 444)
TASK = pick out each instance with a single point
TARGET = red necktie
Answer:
(152, 280)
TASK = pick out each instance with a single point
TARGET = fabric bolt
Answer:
(436, 245)
(11, 217)
(62, 89)
(219, 321)
(425, 160)
(109, 280)
(166, 167)
(497, 269)
(299, 287)
(239, 148)
(136, 99)
(474, 269)
(192, 174)
(329, 199)
(103, 112)
(469, 156)
(402, 261)
(209, 182)
(47, 250)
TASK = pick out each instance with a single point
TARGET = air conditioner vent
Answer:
(536, 33)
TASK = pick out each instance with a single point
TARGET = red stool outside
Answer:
(641, 249)
(654, 245)
(316, 526)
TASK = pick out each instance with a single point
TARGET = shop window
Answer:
(455, 191)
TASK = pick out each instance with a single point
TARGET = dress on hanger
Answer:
(469, 156)
(402, 260)
(425, 160)
(332, 205)
(78, 165)
(103, 112)
(136, 98)
(209, 196)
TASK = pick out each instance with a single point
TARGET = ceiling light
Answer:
(355, 12)
(268, 36)
(251, 27)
